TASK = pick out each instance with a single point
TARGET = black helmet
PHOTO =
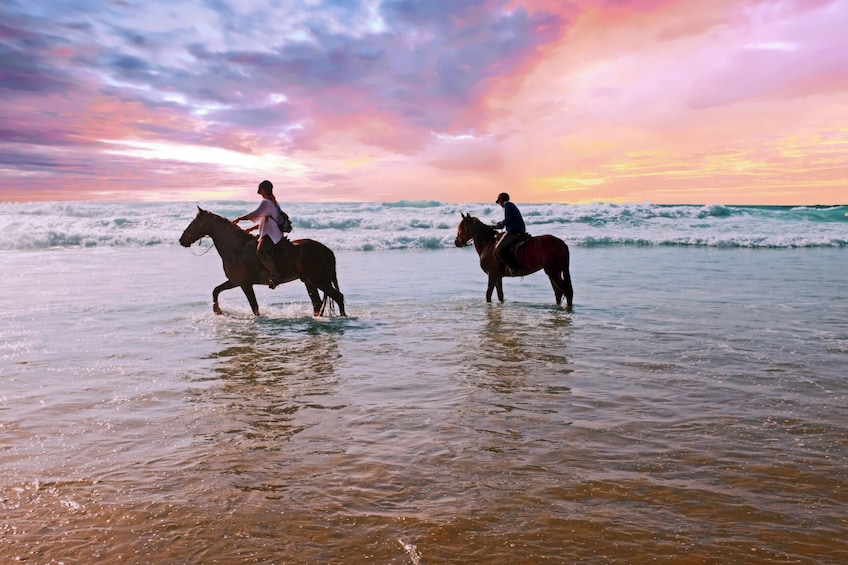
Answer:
(266, 185)
(502, 197)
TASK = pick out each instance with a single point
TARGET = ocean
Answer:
(690, 409)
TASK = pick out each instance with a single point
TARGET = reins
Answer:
(205, 251)
(482, 231)
(208, 249)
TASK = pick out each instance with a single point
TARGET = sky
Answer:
(574, 101)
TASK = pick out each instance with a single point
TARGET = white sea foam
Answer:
(431, 225)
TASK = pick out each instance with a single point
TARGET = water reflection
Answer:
(517, 370)
(271, 350)
(522, 348)
(273, 379)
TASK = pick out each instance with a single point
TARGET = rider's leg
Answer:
(265, 253)
(503, 246)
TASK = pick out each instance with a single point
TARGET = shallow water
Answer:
(691, 409)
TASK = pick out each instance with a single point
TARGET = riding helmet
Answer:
(502, 197)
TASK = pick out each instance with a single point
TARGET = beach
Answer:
(690, 409)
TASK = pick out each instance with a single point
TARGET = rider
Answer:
(267, 214)
(514, 224)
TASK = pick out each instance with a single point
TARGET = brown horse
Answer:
(542, 252)
(305, 259)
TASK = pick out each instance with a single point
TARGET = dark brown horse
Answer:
(305, 259)
(542, 252)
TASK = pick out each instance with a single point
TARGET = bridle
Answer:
(461, 235)
(205, 251)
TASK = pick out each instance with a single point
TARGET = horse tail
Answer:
(339, 297)
(566, 277)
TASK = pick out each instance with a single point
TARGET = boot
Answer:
(509, 262)
(271, 267)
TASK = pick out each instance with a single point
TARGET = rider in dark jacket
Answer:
(514, 224)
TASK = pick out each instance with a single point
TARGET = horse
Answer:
(540, 252)
(310, 261)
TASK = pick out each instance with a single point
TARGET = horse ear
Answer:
(463, 215)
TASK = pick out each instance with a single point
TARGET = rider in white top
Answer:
(266, 214)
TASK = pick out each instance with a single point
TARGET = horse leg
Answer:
(330, 288)
(336, 296)
(495, 282)
(251, 297)
(556, 283)
(340, 300)
(569, 290)
(218, 289)
(490, 286)
(561, 283)
(566, 282)
(315, 296)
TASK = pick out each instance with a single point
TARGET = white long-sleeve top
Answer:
(267, 216)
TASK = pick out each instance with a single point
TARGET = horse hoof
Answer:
(217, 310)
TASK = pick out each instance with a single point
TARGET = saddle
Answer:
(516, 244)
(519, 242)
(508, 255)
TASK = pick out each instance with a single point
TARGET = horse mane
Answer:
(222, 220)
(481, 230)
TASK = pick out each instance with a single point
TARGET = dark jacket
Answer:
(513, 222)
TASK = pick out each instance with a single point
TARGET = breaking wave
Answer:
(432, 225)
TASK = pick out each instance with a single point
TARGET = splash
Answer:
(411, 551)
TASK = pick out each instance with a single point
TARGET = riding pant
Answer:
(265, 254)
(506, 241)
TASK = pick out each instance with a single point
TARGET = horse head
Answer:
(196, 229)
(472, 228)
(463, 232)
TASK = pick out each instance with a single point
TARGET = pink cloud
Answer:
(643, 99)
(796, 50)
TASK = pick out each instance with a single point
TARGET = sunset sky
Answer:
(663, 101)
